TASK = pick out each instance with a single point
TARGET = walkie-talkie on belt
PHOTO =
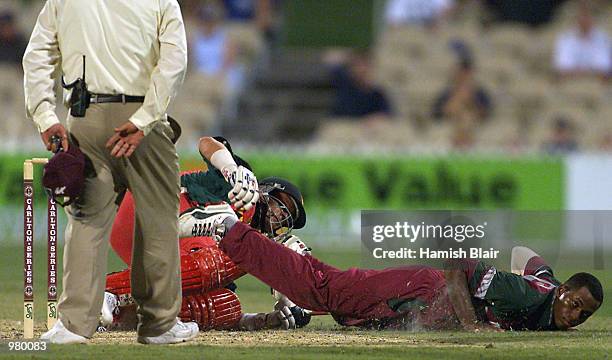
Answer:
(79, 97)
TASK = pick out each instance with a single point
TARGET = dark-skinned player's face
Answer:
(573, 306)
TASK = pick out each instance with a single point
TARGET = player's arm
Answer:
(458, 275)
(459, 296)
(208, 146)
(244, 193)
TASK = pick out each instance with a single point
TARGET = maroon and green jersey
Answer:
(205, 187)
(513, 301)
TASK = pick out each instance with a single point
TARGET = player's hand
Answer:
(300, 316)
(244, 194)
(55, 130)
(280, 319)
(126, 139)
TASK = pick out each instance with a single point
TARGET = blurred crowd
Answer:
(441, 75)
(504, 76)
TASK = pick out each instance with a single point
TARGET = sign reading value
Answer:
(352, 182)
(417, 183)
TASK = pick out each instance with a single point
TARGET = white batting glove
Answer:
(281, 318)
(244, 194)
(301, 316)
(296, 244)
(285, 317)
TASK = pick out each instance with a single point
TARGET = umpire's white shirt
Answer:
(132, 47)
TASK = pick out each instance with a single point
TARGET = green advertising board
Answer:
(456, 182)
(336, 188)
(352, 182)
(11, 179)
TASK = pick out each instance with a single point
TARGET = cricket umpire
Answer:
(122, 62)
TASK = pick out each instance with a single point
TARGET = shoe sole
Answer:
(206, 215)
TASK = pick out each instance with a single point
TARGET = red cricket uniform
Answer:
(122, 234)
(205, 300)
(206, 275)
(407, 296)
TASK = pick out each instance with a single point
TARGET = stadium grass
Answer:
(322, 339)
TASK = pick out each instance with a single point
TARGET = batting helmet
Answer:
(275, 184)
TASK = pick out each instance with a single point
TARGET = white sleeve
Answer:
(170, 71)
(40, 62)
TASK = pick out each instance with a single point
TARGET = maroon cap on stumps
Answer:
(64, 175)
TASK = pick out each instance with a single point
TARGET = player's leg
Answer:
(354, 293)
(384, 293)
(204, 268)
(217, 309)
(122, 234)
(318, 265)
(298, 277)
(190, 244)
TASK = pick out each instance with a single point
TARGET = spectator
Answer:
(12, 42)
(251, 24)
(214, 54)
(12, 47)
(356, 93)
(417, 12)
(253, 11)
(215, 59)
(563, 139)
(463, 99)
(584, 50)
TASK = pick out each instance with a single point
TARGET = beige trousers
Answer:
(152, 175)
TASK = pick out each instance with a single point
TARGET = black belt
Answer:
(121, 98)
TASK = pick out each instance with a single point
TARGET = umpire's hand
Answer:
(55, 130)
(125, 141)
